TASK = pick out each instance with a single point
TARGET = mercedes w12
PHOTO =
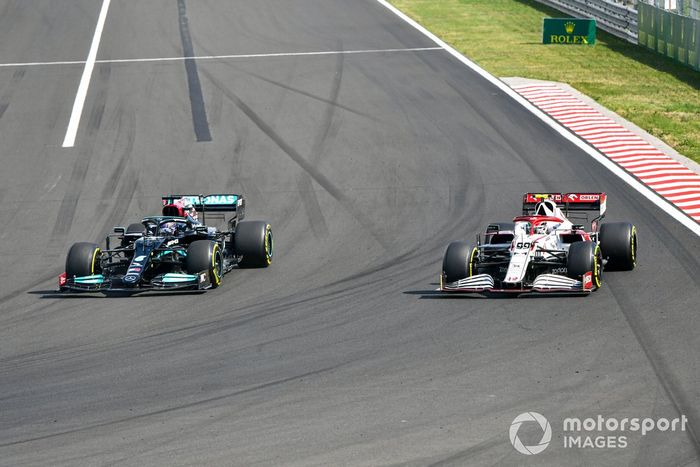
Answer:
(173, 250)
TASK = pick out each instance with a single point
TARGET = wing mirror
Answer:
(119, 230)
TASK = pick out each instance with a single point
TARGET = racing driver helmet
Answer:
(189, 209)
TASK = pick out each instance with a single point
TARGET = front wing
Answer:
(544, 283)
(162, 282)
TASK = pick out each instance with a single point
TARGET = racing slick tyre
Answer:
(83, 260)
(205, 255)
(585, 257)
(253, 241)
(618, 241)
(459, 262)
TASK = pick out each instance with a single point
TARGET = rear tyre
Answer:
(83, 260)
(205, 255)
(459, 262)
(253, 242)
(585, 257)
(618, 242)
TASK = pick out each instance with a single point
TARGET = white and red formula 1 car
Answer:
(544, 250)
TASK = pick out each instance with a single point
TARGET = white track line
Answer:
(661, 203)
(268, 55)
(75, 115)
(19, 64)
(220, 57)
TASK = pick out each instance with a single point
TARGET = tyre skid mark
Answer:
(199, 111)
(296, 157)
(197, 403)
(327, 130)
(81, 166)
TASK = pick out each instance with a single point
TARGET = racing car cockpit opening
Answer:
(174, 227)
(167, 226)
(546, 227)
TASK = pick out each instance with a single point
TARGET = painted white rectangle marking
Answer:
(74, 122)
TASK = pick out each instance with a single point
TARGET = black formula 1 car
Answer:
(544, 250)
(172, 251)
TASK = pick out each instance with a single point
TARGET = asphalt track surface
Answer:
(366, 165)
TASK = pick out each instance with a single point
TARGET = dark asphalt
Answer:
(340, 353)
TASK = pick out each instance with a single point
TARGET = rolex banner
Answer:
(568, 31)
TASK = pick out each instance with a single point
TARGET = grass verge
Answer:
(504, 37)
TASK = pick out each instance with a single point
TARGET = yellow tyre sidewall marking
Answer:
(268, 245)
(633, 242)
(596, 266)
(217, 279)
(94, 258)
(471, 261)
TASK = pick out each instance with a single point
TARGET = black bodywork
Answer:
(156, 258)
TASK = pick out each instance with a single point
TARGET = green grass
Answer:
(504, 37)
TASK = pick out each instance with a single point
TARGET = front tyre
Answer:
(83, 260)
(459, 262)
(253, 242)
(618, 241)
(585, 257)
(205, 255)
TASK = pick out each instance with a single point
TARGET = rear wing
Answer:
(221, 203)
(210, 203)
(569, 203)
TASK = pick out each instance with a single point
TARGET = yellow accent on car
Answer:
(633, 245)
(94, 257)
(268, 245)
(217, 279)
(596, 266)
(471, 261)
